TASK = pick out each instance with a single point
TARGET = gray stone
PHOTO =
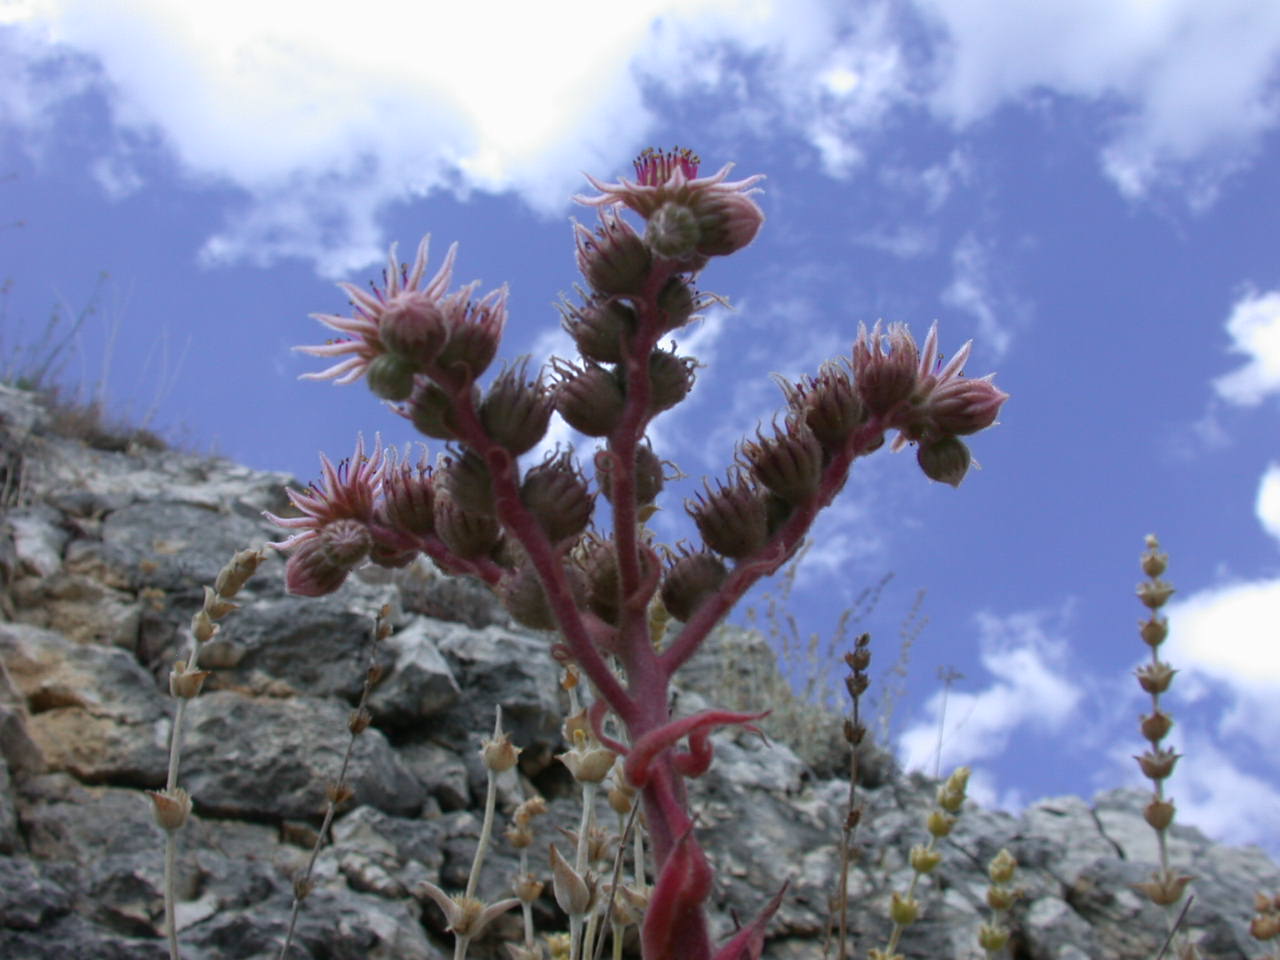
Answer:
(256, 757)
(94, 711)
(10, 838)
(420, 685)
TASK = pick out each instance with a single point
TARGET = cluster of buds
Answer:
(904, 908)
(526, 532)
(994, 936)
(1166, 887)
(1265, 925)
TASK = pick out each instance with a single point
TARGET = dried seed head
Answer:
(574, 892)
(1154, 593)
(1165, 888)
(1154, 630)
(237, 572)
(1156, 726)
(359, 720)
(499, 754)
(690, 579)
(1158, 763)
(939, 824)
(992, 937)
(1154, 563)
(527, 888)
(516, 410)
(952, 793)
(171, 807)
(556, 494)
(733, 518)
(1158, 814)
(1155, 677)
(670, 379)
(590, 397)
(1001, 898)
(186, 683)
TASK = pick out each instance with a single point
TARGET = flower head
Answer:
(404, 314)
(348, 493)
(690, 216)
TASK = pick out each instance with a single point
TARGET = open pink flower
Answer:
(348, 493)
(725, 216)
(365, 337)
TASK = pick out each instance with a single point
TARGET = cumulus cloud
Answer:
(1029, 690)
(974, 289)
(1267, 506)
(1254, 328)
(1194, 81)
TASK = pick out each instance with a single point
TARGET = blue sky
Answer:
(1088, 190)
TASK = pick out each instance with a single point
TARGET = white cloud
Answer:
(1228, 635)
(1254, 328)
(973, 289)
(1194, 80)
(1267, 506)
(1030, 689)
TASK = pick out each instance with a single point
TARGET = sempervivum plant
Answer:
(529, 533)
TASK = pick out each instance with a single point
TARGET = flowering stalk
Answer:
(475, 512)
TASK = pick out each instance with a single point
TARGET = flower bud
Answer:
(345, 542)
(1001, 898)
(408, 499)
(789, 463)
(590, 398)
(649, 478)
(733, 519)
(728, 220)
(237, 572)
(885, 378)
(390, 376)
(186, 683)
(961, 406)
(939, 824)
(412, 326)
(588, 764)
(613, 258)
(1164, 889)
(670, 379)
(689, 581)
(677, 300)
(945, 460)
(431, 411)
(600, 566)
(951, 794)
(599, 327)
(672, 231)
(475, 330)
(515, 412)
(522, 594)
(311, 571)
(557, 496)
(469, 535)
(466, 477)
(527, 889)
(827, 404)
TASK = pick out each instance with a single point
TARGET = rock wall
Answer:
(104, 554)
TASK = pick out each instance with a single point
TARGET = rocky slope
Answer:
(104, 554)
